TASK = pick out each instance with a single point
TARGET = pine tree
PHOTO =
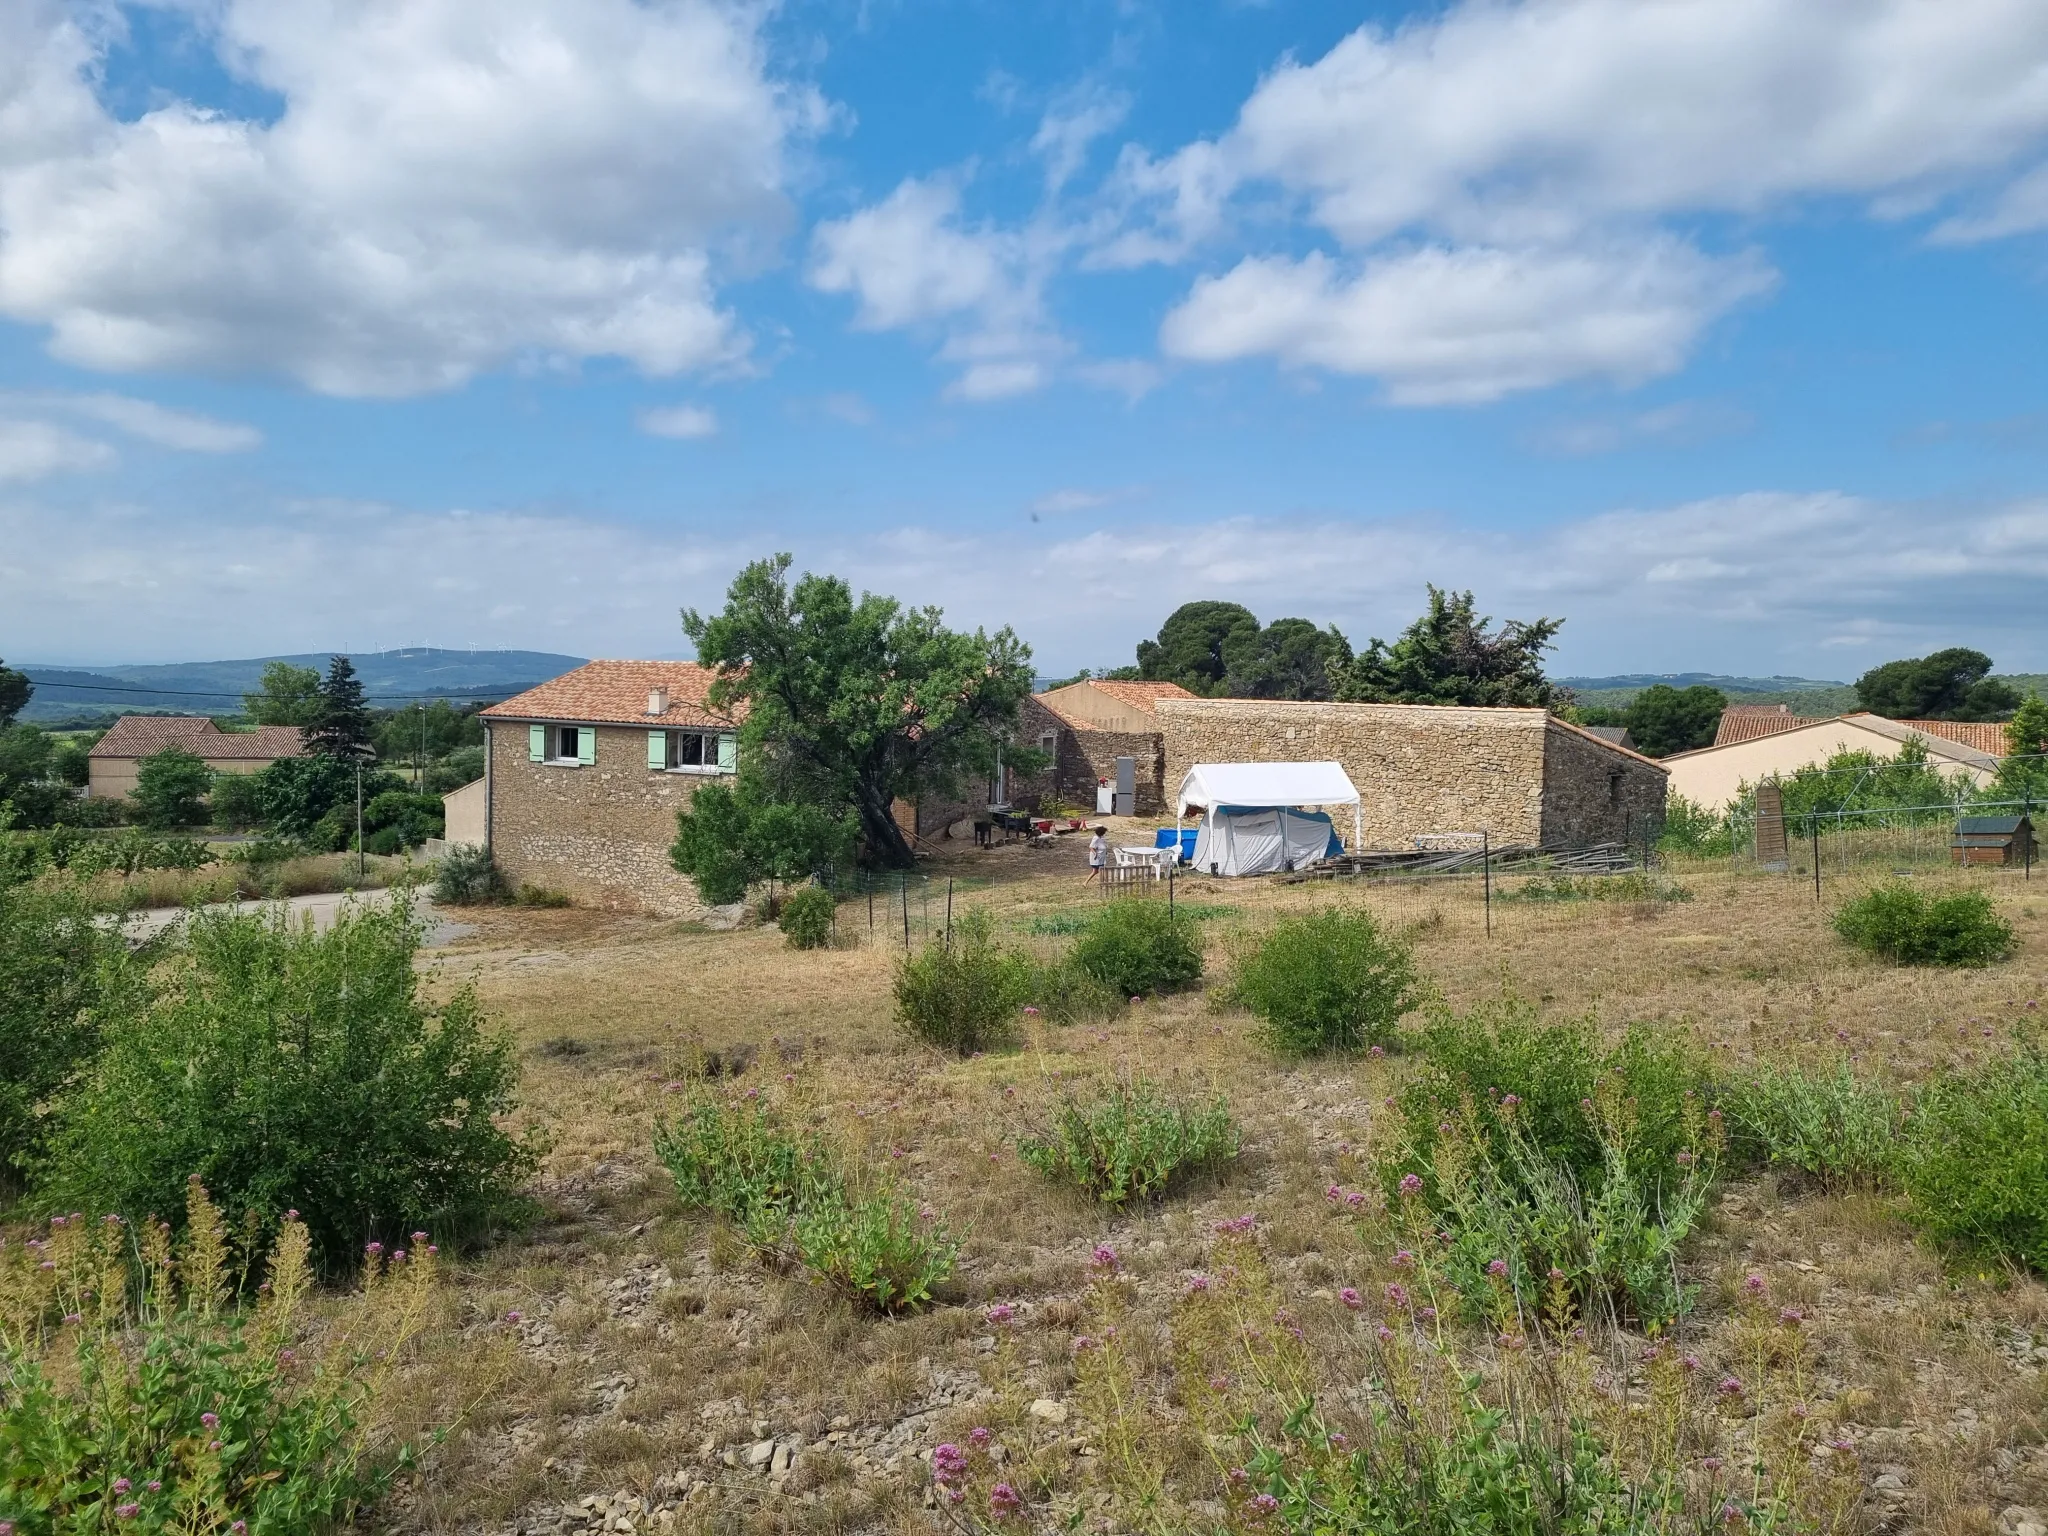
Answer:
(341, 719)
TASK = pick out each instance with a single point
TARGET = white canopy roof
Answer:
(1265, 784)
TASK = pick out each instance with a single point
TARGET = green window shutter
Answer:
(728, 753)
(657, 749)
(586, 745)
(536, 743)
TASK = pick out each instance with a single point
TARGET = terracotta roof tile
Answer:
(1749, 722)
(1139, 695)
(140, 735)
(1984, 735)
(615, 693)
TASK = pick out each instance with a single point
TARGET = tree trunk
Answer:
(887, 845)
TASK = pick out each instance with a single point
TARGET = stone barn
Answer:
(1522, 775)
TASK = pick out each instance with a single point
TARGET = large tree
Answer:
(1288, 659)
(1191, 645)
(851, 705)
(288, 695)
(340, 727)
(1663, 719)
(14, 691)
(1949, 685)
(170, 790)
(1452, 656)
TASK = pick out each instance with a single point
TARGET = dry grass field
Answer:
(624, 1365)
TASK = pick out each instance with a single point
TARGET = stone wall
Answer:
(1421, 768)
(599, 832)
(1593, 793)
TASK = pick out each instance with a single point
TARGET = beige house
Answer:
(1761, 746)
(583, 777)
(1523, 776)
(465, 815)
(116, 758)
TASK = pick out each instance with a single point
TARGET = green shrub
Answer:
(1832, 1126)
(878, 1252)
(787, 1193)
(1329, 981)
(1560, 1077)
(542, 896)
(294, 1069)
(1140, 947)
(1130, 1140)
(1065, 994)
(467, 877)
(1631, 885)
(236, 802)
(963, 996)
(62, 972)
(1975, 1164)
(1908, 927)
(808, 917)
(170, 790)
(157, 1406)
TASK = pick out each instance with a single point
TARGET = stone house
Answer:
(583, 777)
(1081, 730)
(117, 757)
(1522, 775)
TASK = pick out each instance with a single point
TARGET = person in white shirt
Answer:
(1098, 852)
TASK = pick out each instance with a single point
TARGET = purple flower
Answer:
(1411, 1185)
(1403, 1259)
(1711, 1463)
(1082, 1343)
(122, 1485)
(1497, 1267)
(127, 1511)
(1104, 1256)
(1397, 1293)
(1791, 1317)
(1265, 1503)
(373, 1248)
(1755, 1285)
(1350, 1297)
(1237, 1225)
(1384, 1334)
(1001, 1312)
(1030, 1012)
(1556, 1273)
(1427, 1314)
(979, 1436)
(949, 1463)
(1730, 1387)
(1730, 1514)
(1333, 1194)
(1691, 1362)
(210, 1420)
(154, 1486)
(1354, 1199)
(1003, 1501)
(512, 1317)
(1197, 1284)
(1338, 1442)
(1219, 1384)
(1685, 1159)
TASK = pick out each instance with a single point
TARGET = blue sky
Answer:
(1712, 326)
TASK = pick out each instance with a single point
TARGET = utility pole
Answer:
(359, 818)
(419, 764)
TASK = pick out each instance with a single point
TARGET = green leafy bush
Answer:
(1130, 1140)
(1559, 1074)
(62, 973)
(1140, 947)
(1909, 927)
(1328, 981)
(170, 790)
(807, 918)
(467, 877)
(964, 996)
(1975, 1164)
(294, 1069)
(1633, 885)
(1694, 830)
(157, 1406)
(1065, 994)
(789, 1194)
(542, 896)
(236, 802)
(1832, 1126)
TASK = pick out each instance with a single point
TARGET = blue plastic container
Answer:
(1166, 837)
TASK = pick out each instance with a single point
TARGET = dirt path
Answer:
(323, 908)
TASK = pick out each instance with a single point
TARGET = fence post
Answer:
(1176, 865)
(1486, 876)
(868, 879)
(1816, 858)
(905, 883)
(949, 911)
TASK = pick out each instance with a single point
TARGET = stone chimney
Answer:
(657, 701)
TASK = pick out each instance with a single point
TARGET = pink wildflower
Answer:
(979, 1436)
(1730, 1387)
(1411, 1185)
(1350, 1297)
(1003, 1501)
(1497, 1267)
(1104, 1256)
(1001, 1312)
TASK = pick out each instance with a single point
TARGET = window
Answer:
(568, 744)
(693, 751)
(561, 745)
(1049, 744)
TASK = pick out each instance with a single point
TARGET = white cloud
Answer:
(1682, 424)
(1708, 584)
(187, 431)
(1480, 167)
(849, 407)
(1459, 326)
(447, 189)
(1064, 503)
(1071, 125)
(911, 263)
(684, 421)
(34, 450)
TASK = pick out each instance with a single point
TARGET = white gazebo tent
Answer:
(1253, 825)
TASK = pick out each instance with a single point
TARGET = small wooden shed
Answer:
(1999, 840)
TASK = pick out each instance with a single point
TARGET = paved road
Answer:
(440, 929)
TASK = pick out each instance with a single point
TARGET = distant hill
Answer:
(390, 678)
(1804, 695)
